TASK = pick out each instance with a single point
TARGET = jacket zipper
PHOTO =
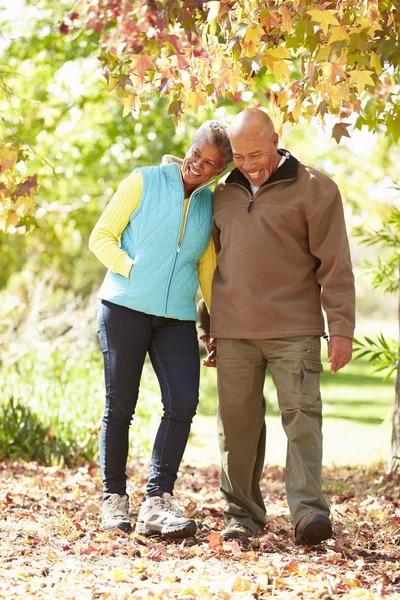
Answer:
(250, 204)
(180, 240)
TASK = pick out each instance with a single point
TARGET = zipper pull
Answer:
(250, 204)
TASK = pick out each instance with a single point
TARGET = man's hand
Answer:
(211, 347)
(340, 349)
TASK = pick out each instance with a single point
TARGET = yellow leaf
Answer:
(338, 34)
(286, 24)
(363, 23)
(12, 220)
(282, 98)
(188, 592)
(274, 60)
(333, 71)
(294, 106)
(376, 63)
(240, 585)
(324, 18)
(336, 95)
(278, 53)
(119, 575)
(253, 34)
(361, 79)
(196, 99)
(324, 53)
(127, 103)
(280, 69)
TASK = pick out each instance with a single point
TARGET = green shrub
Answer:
(24, 435)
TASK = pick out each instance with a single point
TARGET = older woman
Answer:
(163, 215)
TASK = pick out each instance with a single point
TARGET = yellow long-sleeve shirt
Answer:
(104, 239)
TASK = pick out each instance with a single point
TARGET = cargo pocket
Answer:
(310, 370)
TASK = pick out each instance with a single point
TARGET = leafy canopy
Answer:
(302, 58)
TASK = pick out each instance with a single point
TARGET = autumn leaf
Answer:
(127, 103)
(361, 79)
(324, 18)
(241, 585)
(214, 539)
(12, 220)
(141, 64)
(338, 34)
(340, 130)
(195, 100)
(286, 24)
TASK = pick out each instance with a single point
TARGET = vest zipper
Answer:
(178, 249)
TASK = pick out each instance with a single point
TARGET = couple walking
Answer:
(268, 250)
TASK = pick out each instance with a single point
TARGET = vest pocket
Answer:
(310, 376)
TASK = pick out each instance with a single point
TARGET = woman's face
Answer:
(201, 163)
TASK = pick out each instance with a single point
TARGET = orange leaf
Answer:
(214, 539)
(141, 64)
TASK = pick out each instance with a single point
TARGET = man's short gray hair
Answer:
(216, 134)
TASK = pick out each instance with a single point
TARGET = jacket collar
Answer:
(288, 170)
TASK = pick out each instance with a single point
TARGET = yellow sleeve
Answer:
(104, 239)
(205, 270)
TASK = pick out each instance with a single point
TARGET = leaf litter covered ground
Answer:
(51, 545)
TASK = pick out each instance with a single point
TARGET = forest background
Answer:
(68, 142)
(89, 90)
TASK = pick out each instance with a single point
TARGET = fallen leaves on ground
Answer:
(51, 545)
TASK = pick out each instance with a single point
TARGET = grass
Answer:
(57, 400)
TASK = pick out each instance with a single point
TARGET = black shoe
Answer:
(239, 532)
(313, 529)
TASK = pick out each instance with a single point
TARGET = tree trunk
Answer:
(394, 459)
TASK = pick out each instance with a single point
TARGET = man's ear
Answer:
(275, 139)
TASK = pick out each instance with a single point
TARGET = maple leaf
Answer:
(324, 18)
(195, 100)
(361, 79)
(141, 63)
(267, 20)
(338, 34)
(12, 220)
(27, 187)
(127, 103)
(340, 130)
(8, 156)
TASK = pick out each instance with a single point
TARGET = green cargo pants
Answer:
(295, 365)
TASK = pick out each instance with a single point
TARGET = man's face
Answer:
(255, 154)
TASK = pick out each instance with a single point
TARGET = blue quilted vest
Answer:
(163, 280)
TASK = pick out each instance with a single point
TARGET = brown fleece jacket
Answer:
(280, 253)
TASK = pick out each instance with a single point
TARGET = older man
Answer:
(282, 249)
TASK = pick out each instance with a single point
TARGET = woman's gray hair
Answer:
(216, 134)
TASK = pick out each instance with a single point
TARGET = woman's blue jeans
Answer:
(125, 337)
